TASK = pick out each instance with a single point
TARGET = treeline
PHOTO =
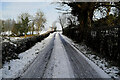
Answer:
(25, 23)
(96, 24)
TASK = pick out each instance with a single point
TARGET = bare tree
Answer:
(72, 20)
(63, 21)
(40, 20)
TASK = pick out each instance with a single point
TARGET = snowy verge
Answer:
(95, 61)
(16, 67)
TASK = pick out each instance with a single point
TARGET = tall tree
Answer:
(84, 11)
(8, 24)
(24, 22)
(40, 20)
(1, 25)
(16, 30)
(62, 20)
(31, 27)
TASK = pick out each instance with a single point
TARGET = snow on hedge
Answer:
(16, 67)
(112, 71)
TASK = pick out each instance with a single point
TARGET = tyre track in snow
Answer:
(59, 65)
(59, 54)
(38, 67)
(81, 68)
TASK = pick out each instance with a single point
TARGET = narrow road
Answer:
(38, 67)
(79, 65)
(60, 60)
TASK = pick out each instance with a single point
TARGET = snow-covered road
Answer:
(59, 65)
(59, 59)
(82, 66)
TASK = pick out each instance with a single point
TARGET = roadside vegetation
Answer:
(19, 36)
(96, 24)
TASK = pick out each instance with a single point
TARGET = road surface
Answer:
(60, 60)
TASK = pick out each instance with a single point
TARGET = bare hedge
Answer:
(103, 40)
(11, 51)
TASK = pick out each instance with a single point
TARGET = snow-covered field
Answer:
(35, 32)
(16, 67)
(6, 33)
(101, 63)
(7, 39)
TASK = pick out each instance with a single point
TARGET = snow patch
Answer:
(6, 33)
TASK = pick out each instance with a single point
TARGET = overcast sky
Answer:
(13, 8)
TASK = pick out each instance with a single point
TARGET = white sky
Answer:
(13, 9)
(29, 0)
